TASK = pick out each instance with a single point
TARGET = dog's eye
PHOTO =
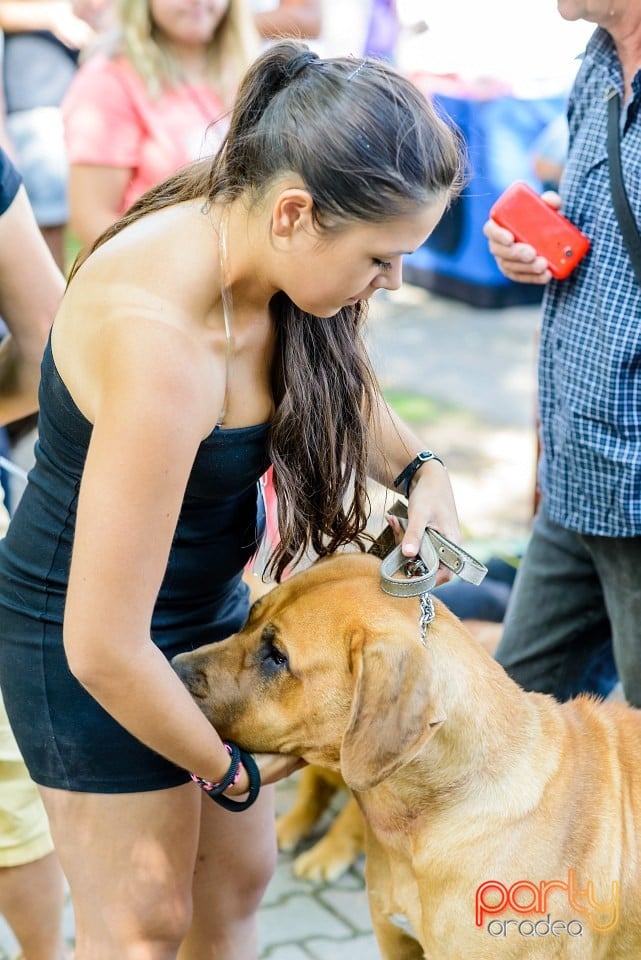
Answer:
(272, 655)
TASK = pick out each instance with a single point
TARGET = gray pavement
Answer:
(466, 378)
(478, 360)
(300, 920)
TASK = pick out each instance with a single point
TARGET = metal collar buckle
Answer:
(420, 572)
(421, 576)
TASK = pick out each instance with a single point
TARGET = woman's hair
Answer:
(369, 148)
(232, 48)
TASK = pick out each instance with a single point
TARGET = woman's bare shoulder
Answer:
(169, 255)
(135, 313)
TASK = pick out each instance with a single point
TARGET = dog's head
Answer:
(329, 668)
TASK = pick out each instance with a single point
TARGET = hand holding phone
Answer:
(531, 220)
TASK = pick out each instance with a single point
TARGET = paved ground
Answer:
(465, 378)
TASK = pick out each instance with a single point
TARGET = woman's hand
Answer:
(273, 767)
(431, 504)
(519, 261)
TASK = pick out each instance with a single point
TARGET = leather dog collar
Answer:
(434, 550)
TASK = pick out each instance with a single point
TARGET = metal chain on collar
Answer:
(414, 568)
(427, 615)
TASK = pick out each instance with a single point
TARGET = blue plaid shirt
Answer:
(590, 351)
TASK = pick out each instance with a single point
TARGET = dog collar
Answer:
(421, 577)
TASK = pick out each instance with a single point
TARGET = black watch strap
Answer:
(406, 476)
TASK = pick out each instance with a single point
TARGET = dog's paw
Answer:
(291, 829)
(327, 860)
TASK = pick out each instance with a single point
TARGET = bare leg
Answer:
(132, 860)
(129, 860)
(32, 888)
(236, 859)
(32, 900)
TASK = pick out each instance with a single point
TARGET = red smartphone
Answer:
(525, 214)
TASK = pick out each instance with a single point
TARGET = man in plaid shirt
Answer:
(578, 582)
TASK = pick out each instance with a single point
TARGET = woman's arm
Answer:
(30, 290)
(57, 16)
(431, 502)
(152, 407)
(104, 135)
(291, 18)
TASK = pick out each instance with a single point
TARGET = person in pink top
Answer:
(154, 97)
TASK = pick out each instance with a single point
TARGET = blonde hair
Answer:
(233, 46)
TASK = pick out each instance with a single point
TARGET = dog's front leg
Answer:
(335, 852)
(313, 797)
(394, 942)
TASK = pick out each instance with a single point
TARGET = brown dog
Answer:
(343, 842)
(499, 824)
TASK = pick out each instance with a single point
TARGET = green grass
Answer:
(415, 408)
(72, 248)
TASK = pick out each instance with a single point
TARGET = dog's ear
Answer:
(393, 709)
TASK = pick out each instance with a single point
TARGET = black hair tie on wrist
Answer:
(254, 786)
(216, 790)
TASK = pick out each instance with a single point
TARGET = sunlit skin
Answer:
(323, 270)
(594, 11)
(362, 258)
(187, 23)
(154, 294)
(176, 333)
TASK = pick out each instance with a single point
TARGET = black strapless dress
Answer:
(66, 738)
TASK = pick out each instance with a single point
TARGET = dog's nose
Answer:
(186, 666)
(180, 662)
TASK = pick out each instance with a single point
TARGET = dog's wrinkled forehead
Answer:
(265, 631)
(260, 610)
(269, 633)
